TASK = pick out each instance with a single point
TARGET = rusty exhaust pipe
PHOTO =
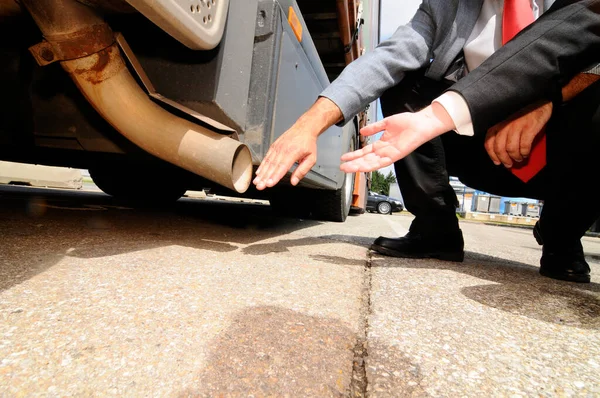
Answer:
(9, 8)
(107, 84)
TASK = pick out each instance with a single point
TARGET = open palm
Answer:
(402, 134)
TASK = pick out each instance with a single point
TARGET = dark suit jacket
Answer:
(535, 65)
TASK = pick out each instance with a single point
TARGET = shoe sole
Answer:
(567, 277)
(444, 256)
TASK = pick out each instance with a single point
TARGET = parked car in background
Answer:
(383, 204)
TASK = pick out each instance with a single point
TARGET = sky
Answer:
(395, 13)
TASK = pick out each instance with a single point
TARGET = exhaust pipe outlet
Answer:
(109, 86)
(84, 44)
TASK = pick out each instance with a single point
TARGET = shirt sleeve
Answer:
(458, 110)
(367, 78)
(595, 70)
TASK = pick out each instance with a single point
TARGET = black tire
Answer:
(335, 205)
(319, 204)
(138, 184)
(384, 208)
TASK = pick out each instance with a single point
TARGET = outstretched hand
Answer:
(295, 145)
(402, 134)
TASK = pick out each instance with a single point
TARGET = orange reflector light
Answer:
(295, 23)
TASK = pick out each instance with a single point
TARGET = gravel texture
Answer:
(205, 299)
(213, 298)
(491, 326)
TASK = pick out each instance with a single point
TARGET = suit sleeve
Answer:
(365, 79)
(535, 65)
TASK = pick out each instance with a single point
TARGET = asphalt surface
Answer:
(214, 298)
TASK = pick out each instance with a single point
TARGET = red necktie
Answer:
(516, 16)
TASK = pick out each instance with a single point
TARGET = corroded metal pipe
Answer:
(9, 8)
(61, 17)
(108, 85)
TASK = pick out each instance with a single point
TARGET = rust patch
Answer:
(102, 62)
(47, 54)
(43, 53)
(71, 46)
(97, 67)
(82, 43)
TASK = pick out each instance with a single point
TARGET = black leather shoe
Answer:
(566, 265)
(565, 262)
(447, 247)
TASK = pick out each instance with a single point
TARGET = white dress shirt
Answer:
(485, 39)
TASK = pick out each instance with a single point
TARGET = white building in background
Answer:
(463, 193)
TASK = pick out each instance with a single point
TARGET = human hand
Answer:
(510, 141)
(403, 133)
(298, 144)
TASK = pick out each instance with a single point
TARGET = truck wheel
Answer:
(314, 203)
(384, 208)
(319, 204)
(335, 205)
(139, 184)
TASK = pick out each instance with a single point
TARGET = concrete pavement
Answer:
(199, 300)
(490, 326)
(40, 176)
(210, 298)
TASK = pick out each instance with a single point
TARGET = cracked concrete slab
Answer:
(205, 299)
(214, 299)
(490, 326)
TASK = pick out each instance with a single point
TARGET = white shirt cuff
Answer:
(594, 70)
(458, 110)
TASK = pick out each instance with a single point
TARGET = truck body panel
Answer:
(257, 81)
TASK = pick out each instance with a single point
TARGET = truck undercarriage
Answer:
(99, 85)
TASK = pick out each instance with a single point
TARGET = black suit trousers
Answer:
(568, 184)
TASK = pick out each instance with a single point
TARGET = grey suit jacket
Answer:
(433, 38)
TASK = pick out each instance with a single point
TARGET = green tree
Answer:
(380, 183)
